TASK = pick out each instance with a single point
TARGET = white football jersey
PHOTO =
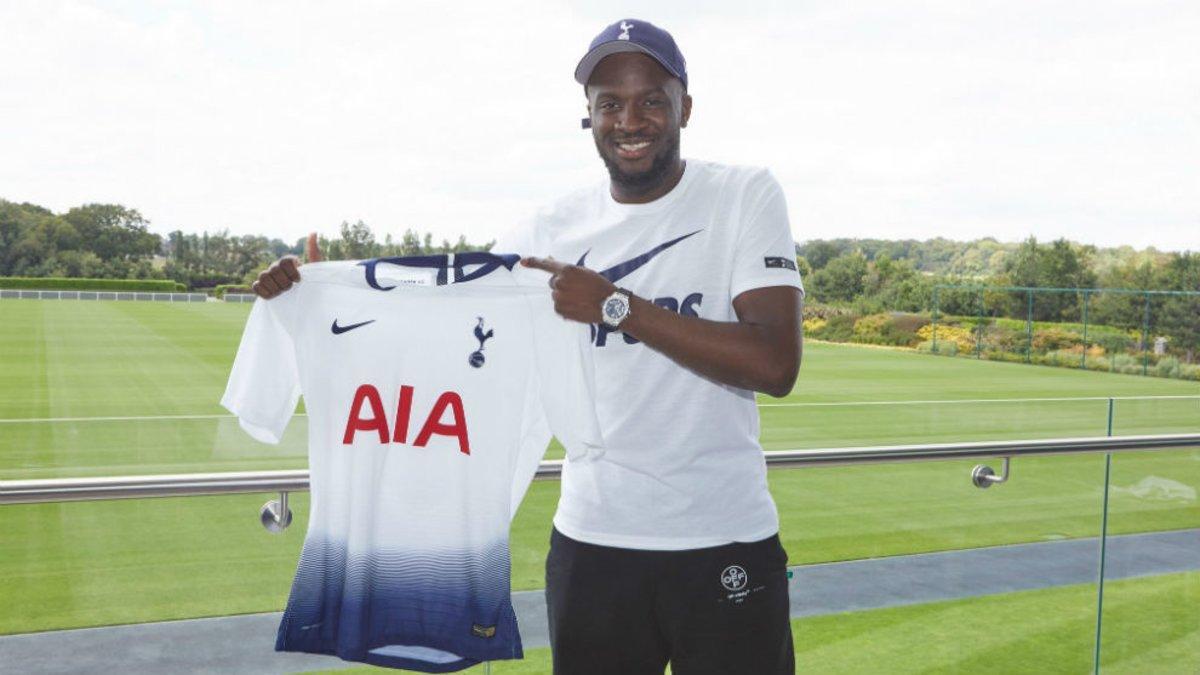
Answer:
(432, 385)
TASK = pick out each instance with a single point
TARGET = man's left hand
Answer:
(578, 291)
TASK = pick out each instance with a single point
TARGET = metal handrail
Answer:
(253, 482)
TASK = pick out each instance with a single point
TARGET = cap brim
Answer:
(588, 63)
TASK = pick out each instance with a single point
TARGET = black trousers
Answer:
(712, 610)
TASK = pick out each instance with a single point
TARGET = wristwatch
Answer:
(615, 308)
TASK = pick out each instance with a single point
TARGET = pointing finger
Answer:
(545, 264)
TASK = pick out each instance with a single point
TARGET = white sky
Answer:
(955, 118)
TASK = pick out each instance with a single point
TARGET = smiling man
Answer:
(665, 547)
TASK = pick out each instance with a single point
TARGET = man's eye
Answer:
(654, 102)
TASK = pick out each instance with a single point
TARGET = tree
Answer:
(842, 279)
(1059, 265)
(819, 253)
(1178, 316)
(113, 232)
(358, 241)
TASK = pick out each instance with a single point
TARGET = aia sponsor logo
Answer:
(367, 416)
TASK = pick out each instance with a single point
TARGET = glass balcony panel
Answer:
(1151, 606)
(910, 568)
(76, 564)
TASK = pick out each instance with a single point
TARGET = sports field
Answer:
(118, 388)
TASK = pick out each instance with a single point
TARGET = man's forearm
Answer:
(757, 356)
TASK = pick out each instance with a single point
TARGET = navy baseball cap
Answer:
(633, 35)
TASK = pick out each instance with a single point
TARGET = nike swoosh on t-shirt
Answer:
(624, 269)
(338, 330)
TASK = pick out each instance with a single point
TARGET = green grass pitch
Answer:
(154, 373)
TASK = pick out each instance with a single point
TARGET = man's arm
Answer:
(760, 351)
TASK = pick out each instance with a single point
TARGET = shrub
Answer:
(1124, 363)
(813, 325)
(818, 311)
(1112, 342)
(838, 328)
(1098, 363)
(1052, 339)
(1167, 366)
(894, 328)
(1000, 338)
(870, 329)
(909, 323)
(222, 289)
(944, 347)
(961, 337)
(1063, 358)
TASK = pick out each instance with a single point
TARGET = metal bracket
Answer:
(275, 514)
(983, 476)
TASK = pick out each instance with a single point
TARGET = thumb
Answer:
(312, 251)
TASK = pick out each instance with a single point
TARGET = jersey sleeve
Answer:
(766, 252)
(566, 379)
(264, 384)
(560, 396)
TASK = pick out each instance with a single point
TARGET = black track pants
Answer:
(711, 610)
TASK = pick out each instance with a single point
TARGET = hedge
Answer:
(62, 284)
(222, 289)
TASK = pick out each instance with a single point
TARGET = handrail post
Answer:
(936, 307)
(1083, 355)
(1029, 326)
(1103, 546)
(979, 326)
(1146, 337)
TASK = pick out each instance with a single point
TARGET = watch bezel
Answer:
(619, 294)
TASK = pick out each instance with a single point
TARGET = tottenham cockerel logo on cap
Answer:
(625, 26)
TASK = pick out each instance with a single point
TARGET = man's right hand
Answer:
(284, 272)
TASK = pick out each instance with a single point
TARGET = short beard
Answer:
(648, 180)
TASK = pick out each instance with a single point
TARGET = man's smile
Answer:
(634, 148)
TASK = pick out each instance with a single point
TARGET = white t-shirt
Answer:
(432, 386)
(682, 466)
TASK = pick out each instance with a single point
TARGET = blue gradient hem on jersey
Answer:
(451, 601)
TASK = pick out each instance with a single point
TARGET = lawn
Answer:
(153, 374)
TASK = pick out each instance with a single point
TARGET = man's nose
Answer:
(631, 118)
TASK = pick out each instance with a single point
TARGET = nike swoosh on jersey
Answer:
(624, 269)
(338, 330)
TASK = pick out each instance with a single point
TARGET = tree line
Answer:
(870, 275)
(111, 241)
(864, 277)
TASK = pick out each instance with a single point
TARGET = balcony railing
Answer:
(176, 485)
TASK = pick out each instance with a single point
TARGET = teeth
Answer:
(633, 147)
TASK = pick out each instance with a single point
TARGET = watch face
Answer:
(614, 308)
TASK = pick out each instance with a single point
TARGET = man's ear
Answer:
(687, 111)
(586, 122)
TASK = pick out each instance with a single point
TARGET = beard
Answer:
(649, 179)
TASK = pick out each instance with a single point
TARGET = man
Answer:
(665, 548)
